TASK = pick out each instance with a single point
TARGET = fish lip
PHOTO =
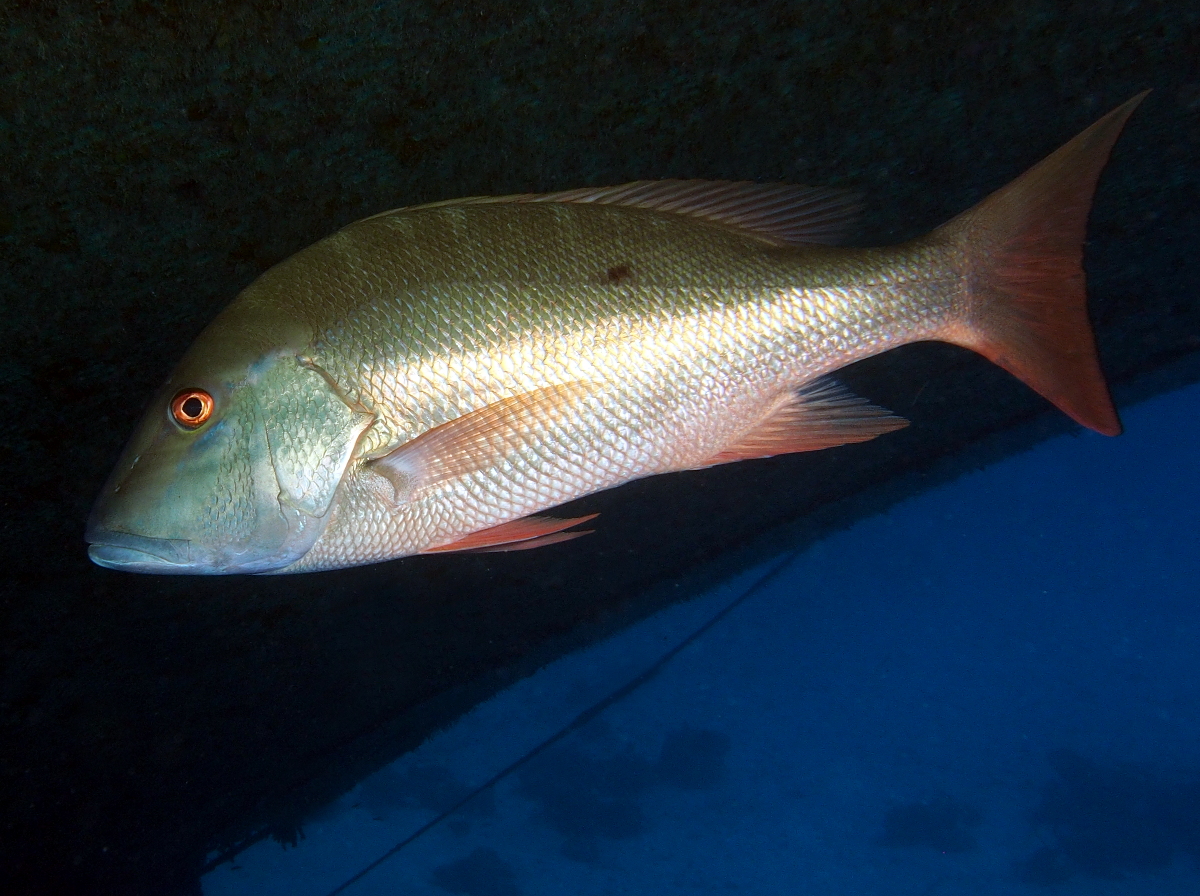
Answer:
(139, 553)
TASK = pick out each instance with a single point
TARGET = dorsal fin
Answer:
(781, 214)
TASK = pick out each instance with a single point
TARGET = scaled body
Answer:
(428, 379)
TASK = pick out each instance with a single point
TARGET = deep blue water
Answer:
(992, 688)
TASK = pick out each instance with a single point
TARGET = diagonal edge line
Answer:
(580, 720)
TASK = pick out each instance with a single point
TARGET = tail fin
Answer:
(1026, 307)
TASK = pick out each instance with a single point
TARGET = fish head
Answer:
(235, 464)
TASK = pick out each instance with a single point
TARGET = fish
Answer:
(432, 379)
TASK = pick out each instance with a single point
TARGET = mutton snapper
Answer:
(430, 378)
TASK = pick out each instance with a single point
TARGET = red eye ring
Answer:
(191, 408)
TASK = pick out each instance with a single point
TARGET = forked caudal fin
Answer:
(1026, 306)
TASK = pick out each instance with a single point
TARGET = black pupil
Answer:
(192, 407)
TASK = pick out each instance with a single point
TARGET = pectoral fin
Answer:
(478, 440)
(823, 414)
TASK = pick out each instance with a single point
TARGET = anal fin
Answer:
(823, 414)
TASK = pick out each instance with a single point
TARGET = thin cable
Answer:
(579, 721)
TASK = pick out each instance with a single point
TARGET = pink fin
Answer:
(518, 535)
(781, 214)
(531, 543)
(477, 440)
(1027, 310)
(821, 415)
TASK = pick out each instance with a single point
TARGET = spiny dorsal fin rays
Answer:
(780, 214)
(822, 414)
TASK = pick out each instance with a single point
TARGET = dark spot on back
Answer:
(618, 273)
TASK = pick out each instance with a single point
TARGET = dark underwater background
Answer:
(159, 156)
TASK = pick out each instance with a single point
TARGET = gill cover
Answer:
(311, 433)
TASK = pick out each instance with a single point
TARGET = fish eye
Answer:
(191, 408)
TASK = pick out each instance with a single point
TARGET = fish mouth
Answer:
(140, 553)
